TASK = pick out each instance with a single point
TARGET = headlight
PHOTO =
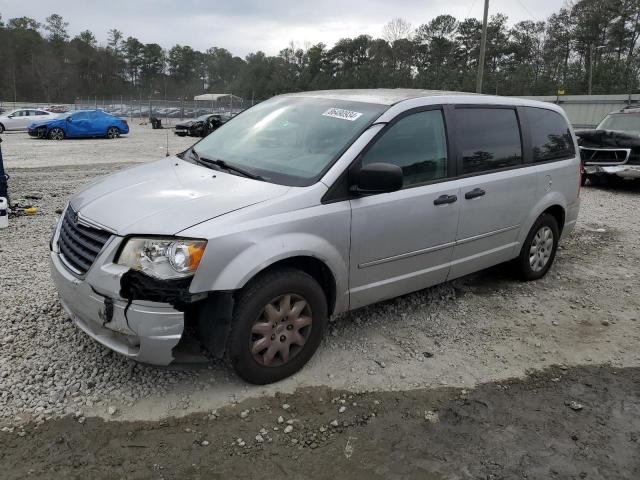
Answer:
(163, 258)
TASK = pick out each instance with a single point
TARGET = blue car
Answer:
(80, 124)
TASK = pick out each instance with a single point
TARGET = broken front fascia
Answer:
(211, 312)
(135, 285)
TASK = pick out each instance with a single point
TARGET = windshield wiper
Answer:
(225, 166)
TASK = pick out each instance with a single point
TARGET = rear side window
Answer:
(488, 139)
(417, 144)
(550, 135)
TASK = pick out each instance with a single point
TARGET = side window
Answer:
(417, 144)
(550, 135)
(488, 139)
(19, 113)
(39, 112)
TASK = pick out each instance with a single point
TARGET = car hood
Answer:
(185, 124)
(167, 196)
(42, 123)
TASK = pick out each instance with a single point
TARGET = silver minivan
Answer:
(309, 205)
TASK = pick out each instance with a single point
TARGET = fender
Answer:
(259, 255)
(550, 199)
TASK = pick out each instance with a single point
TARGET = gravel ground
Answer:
(557, 424)
(482, 328)
(142, 145)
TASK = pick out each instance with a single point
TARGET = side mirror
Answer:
(377, 178)
(11, 116)
(68, 119)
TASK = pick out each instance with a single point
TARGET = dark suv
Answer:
(611, 152)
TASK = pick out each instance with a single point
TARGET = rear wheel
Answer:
(113, 132)
(1, 128)
(56, 134)
(278, 323)
(539, 249)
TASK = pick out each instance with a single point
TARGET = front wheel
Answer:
(56, 134)
(278, 323)
(539, 249)
(113, 132)
(1, 128)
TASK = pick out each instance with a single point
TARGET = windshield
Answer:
(622, 122)
(289, 140)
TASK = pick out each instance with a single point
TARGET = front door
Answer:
(20, 120)
(496, 195)
(403, 241)
(80, 125)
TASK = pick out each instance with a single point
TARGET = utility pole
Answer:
(483, 47)
(591, 52)
(590, 88)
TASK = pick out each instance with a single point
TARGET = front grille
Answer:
(605, 156)
(79, 245)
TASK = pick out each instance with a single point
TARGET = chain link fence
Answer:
(169, 111)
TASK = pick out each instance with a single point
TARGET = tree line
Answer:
(41, 62)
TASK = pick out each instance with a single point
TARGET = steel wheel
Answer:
(541, 249)
(113, 132)
(56, 134)
(281, 330)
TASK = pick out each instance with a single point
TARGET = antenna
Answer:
(167, 144)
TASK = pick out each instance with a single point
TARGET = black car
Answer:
(199, 127)
(611, 153)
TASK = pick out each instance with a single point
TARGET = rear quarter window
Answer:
(550, 135)
(488, 139)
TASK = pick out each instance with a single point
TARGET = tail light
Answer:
(580, 174)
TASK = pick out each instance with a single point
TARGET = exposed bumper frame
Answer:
(624, 171)
(143, 331)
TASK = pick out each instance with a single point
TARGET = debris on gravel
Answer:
(573, 405)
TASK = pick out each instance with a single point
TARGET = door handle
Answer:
(475, 193)
(444, 199)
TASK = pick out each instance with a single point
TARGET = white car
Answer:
(20, 119)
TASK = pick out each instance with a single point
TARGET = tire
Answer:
(41, 133)
(1, 128)
(56, 134)
(258, 322)
(113, 132)
(541, 243)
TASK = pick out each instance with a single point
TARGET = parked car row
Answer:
(161, 112)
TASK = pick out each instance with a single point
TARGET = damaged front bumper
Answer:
(144, 331)
(623, 171)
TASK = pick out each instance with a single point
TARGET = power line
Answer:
(473, 4)
(527, 10)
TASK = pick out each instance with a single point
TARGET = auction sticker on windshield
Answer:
(342, 114)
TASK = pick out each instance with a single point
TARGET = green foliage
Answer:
(40, 62)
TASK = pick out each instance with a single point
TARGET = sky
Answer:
(244, 26)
